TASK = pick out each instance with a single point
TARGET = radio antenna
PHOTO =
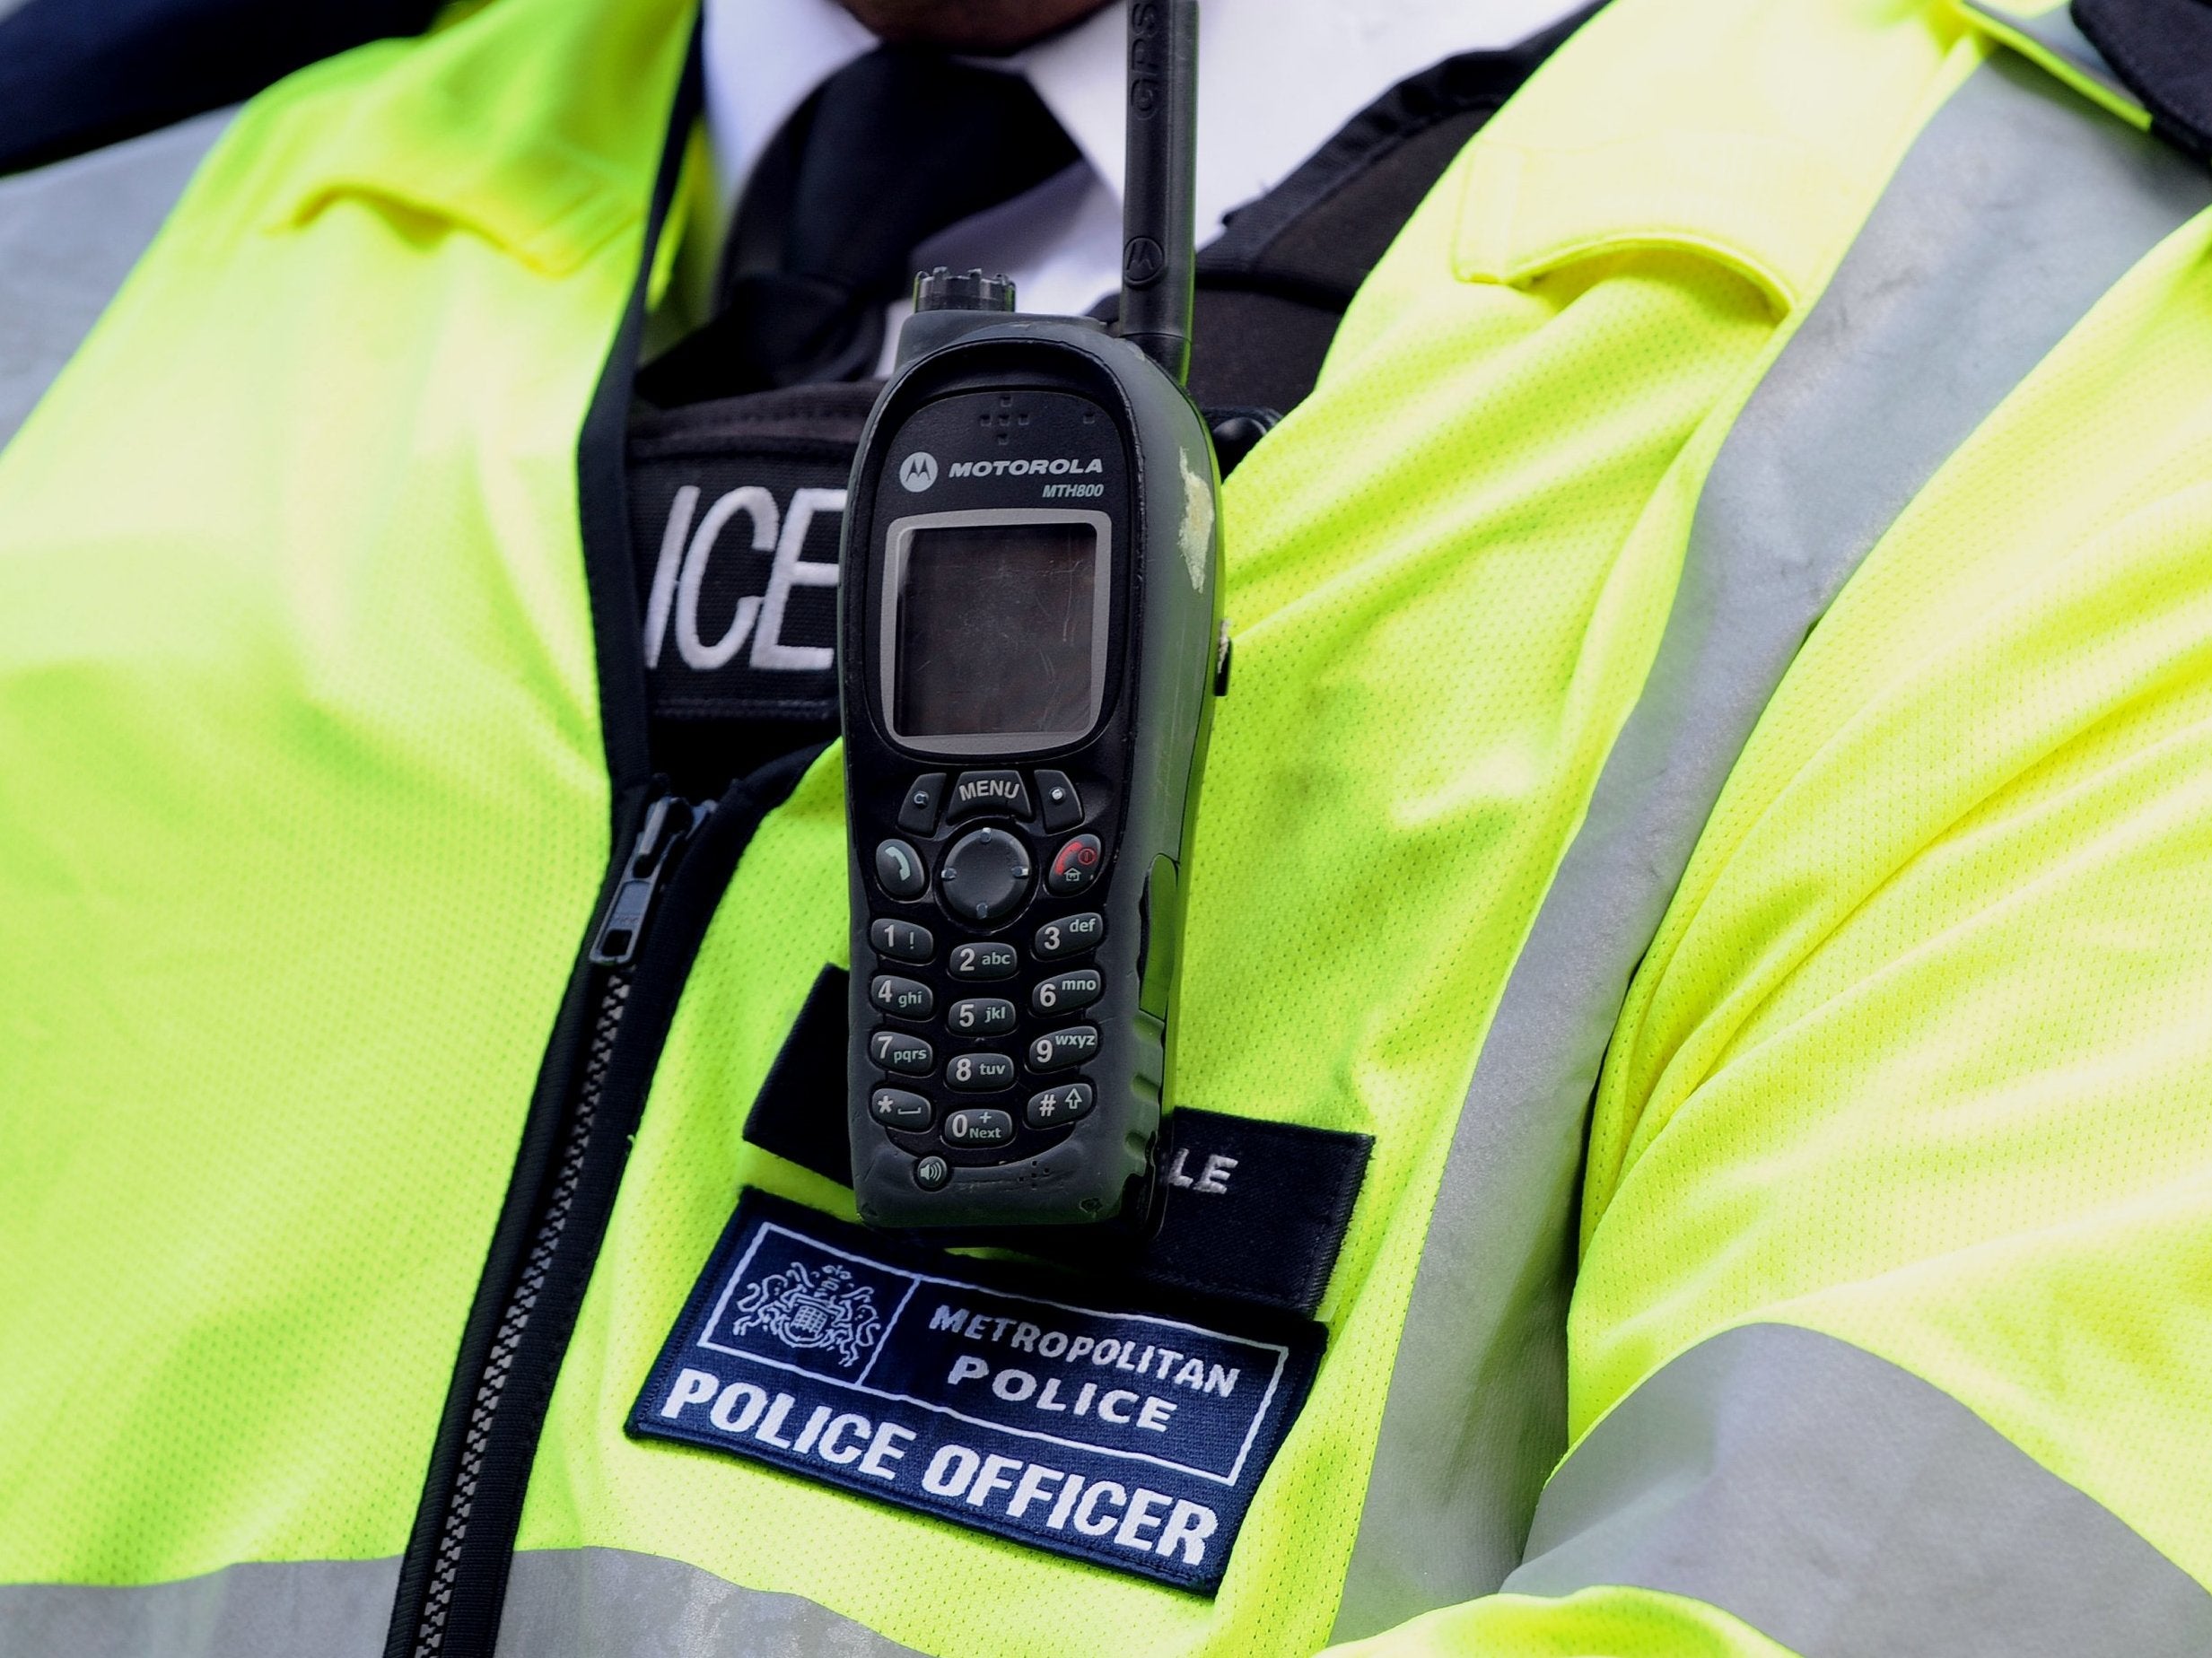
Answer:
(1158, 202)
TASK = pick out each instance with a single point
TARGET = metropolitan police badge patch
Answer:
(810, 1310)
(1132, 1439)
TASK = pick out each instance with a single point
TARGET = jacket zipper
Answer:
(669, 825)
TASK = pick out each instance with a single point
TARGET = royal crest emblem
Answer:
(805, 1310)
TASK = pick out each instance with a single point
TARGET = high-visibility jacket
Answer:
(1729, 636)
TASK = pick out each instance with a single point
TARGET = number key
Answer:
(984, 961)
(902, 940)
(903, 998)
(895, 1050)
(979, 1073)
(979, 1016)
(1069, 992)
(1070, 935)
(1059, 1050)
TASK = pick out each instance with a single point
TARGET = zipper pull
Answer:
(669, 823)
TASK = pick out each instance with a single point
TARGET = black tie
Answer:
(892, 149)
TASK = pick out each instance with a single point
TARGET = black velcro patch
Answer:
(1254, 1211)
(736, 507)
(978, 1392)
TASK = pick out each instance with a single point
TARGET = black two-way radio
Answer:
(1029, 621)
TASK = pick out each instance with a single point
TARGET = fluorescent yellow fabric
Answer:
(1920, 1058)
(1488, 474)
(302, 811)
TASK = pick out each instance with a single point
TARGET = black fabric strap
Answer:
(2163, 50)
(75, 75)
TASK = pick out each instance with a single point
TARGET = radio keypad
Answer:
(897, 1051)
(984, 961)
(1070, 935)
(1060, 1050)
(985, 877)
(902, 998)
(979, 1016)
(903, 941)
(979, 1073)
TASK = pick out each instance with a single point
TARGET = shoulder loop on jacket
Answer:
(1745, 141)
(495, 124)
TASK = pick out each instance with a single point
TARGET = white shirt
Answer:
(1276, 79)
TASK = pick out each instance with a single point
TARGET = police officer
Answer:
(1695, 1109)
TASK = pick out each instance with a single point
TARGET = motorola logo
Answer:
(918, 471)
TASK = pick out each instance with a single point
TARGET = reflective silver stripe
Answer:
(2018, 206)
(332, 1609)
(1848, 1509)
(69, 234)
(591, 1603)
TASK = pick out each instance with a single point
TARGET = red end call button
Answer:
(1076, 866)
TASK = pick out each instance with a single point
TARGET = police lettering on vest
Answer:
(1132, 1439)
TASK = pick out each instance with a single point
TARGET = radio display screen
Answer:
(998, 631)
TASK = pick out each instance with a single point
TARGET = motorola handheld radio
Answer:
(1029, 620)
